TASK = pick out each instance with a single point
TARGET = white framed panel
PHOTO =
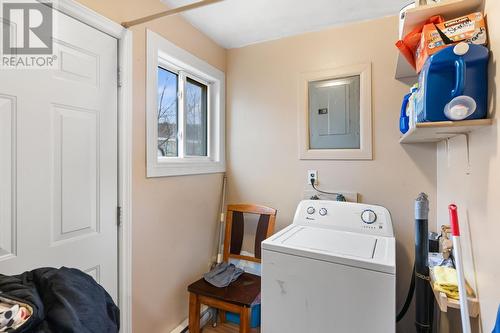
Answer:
(95, 272)
(8, 191)
(365, 114)
(76, 167)
(77, 64)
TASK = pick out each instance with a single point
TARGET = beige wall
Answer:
(174, 218)
(477, 194)
(262, 131)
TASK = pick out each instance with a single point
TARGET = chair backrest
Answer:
(235, 227)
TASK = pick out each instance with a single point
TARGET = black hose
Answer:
(409, 297)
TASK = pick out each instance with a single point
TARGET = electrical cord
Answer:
(340, 196)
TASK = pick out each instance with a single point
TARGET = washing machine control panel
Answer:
(370, 219)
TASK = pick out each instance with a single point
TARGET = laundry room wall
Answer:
(174, 218)
(262, 102)
(474, 187)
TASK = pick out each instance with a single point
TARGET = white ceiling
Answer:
(236, 23)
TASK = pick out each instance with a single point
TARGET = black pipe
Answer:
(424, 298)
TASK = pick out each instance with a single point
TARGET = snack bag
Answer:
(409, 44)
(470, 28)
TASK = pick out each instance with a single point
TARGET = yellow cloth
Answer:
(446, 280)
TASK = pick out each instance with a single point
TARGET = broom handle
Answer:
(457, 252)
(221, 221)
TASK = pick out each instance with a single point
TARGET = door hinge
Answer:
(119, 216)
(119, 77)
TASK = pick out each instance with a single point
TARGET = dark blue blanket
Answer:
(64, 300)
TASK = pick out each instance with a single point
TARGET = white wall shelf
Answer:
(438, 131)
(417, 16)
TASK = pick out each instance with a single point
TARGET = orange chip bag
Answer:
(409, 44)
(435, 37)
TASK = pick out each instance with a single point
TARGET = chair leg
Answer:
(194, 313)
(222, 316)
(245, 319)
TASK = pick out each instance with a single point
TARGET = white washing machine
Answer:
(332, 270)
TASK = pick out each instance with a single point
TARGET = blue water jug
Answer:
(450, 74)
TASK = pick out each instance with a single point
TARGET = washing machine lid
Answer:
(335, 246)
(332, 241)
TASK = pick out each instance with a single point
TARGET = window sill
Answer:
(181, 168)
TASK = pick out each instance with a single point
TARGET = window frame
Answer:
(162, 53)
(205, 93)
(173, 71)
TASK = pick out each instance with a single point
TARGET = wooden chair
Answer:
(239, 296)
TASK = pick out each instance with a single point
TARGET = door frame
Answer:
(124, 72)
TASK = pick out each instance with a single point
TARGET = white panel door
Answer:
(58, 158)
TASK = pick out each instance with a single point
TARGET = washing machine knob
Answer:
(323, 211)
(310, 210)
(368, 216)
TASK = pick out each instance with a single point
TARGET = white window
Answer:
(185, 112)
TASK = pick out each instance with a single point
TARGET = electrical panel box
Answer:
(334, 113)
